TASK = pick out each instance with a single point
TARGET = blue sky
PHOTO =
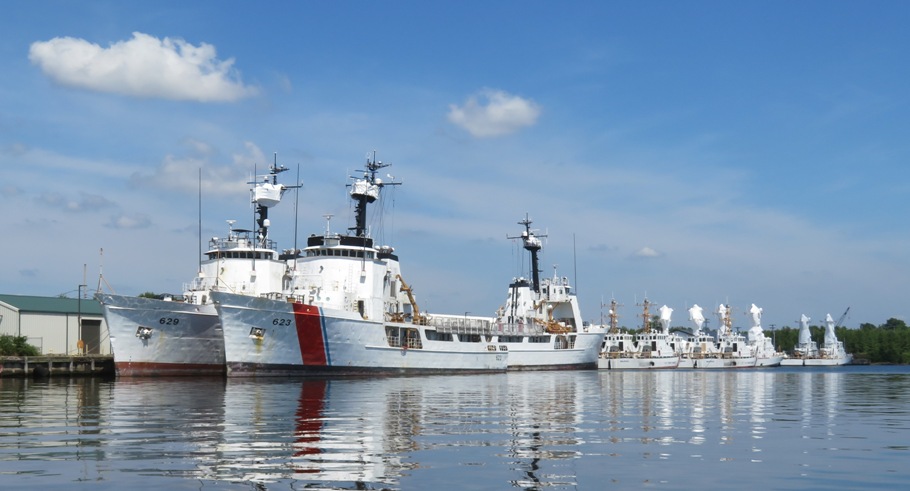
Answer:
(691, 152)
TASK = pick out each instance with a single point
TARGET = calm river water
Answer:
(766, 429)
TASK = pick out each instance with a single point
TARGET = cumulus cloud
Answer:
(143, 66)
(181, 172)
(492, 113)
(133, 221)
(84, 203)
(647, 252)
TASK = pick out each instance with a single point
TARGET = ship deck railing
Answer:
(462, 325)
(239, 241)
(638, 355)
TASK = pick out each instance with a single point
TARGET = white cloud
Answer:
(647, 252)
(494, 113)
(143, 66)
(181, 173)
(85, 203)
(133, 221)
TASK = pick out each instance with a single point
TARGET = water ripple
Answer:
(790, 429)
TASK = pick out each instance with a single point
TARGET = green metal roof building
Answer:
(56, 325)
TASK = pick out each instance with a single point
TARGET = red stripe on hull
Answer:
(144, 369)
(309, 419)
(309, 335)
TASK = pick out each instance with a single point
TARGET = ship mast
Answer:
(365, 191)
(646, 315)
(531, 244)
(728, 320)
(614, 317)
(267, 194)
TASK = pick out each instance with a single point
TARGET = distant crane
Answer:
(842, 317)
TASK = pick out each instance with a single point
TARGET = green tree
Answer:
(16, 346)
(785, 338)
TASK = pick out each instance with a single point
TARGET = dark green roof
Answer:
(52, 305)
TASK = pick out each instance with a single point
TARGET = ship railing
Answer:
(202, 287)
(198, 284)
(617, 354)
(611, 352)
(519, 328)
(204, 284)
(240, 241)
(460, 325)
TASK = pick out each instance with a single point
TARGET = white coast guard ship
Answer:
(348, 309)
(181, 335)
(540, 324)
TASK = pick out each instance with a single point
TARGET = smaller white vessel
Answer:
(765, 353)
(807, 353)
(650, 350)
(616, 343)
(731, 350)
(690, 347)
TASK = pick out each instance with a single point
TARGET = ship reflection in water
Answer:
(335, 432)
(831, 428)
(372, 433)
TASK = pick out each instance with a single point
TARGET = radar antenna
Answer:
(532, 244)
(365, 190)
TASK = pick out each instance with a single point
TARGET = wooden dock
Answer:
(56, 366)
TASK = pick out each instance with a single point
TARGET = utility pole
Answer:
(79, 312)
(78, 318)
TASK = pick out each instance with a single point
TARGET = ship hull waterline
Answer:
(816, 362)
(715, 363)
(621, 363)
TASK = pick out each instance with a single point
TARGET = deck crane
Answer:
(417, 318)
